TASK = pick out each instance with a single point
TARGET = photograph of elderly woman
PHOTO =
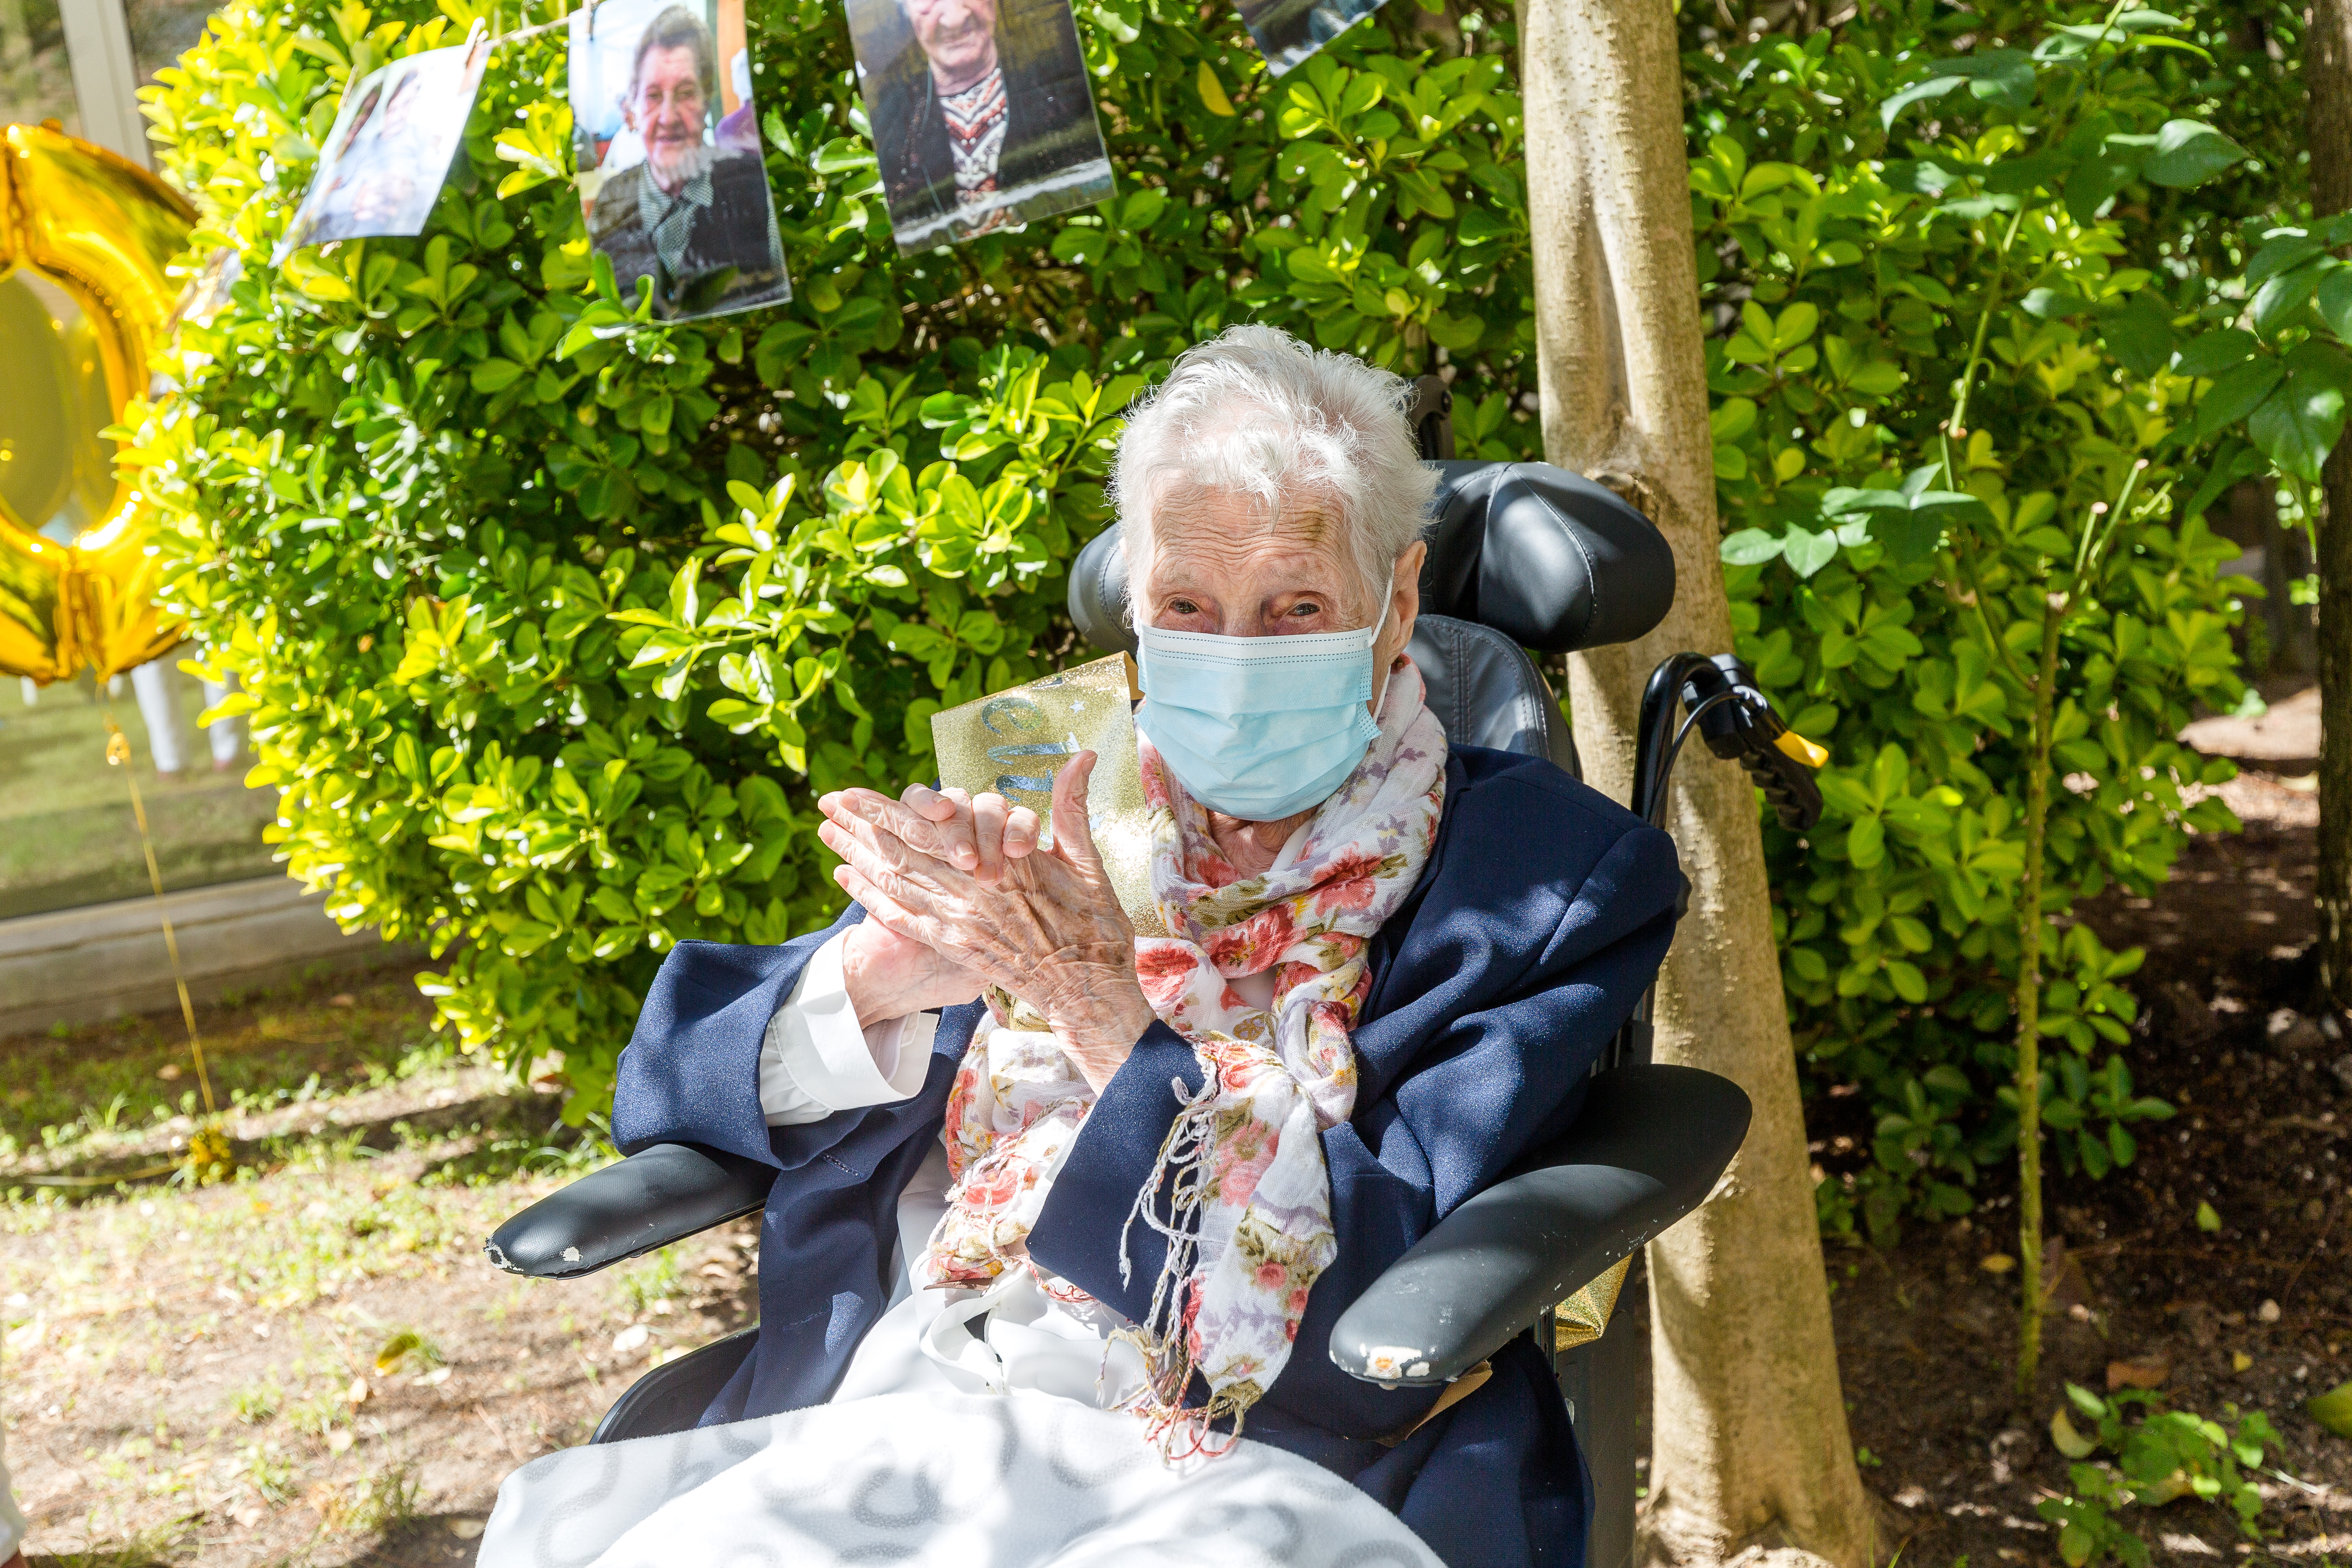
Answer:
(981, 114)
(669, 159)
(390, 149)
(1288, 32)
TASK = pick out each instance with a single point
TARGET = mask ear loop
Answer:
(1380, 699)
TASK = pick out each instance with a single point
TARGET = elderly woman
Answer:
(1036, 1167)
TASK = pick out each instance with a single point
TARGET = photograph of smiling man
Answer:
(669, 155)
(981, 114)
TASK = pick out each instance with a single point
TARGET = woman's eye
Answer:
(1306, 609)
(1184, 607)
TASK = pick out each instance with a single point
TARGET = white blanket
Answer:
(935, 1481)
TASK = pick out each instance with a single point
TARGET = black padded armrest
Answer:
(1644, 1151)
(653, 1197)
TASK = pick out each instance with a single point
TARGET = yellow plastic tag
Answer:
(1796, 746)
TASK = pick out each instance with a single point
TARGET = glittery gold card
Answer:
(1584, 1317)
(1015, 742)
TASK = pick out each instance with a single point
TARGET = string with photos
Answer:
(1285, 42)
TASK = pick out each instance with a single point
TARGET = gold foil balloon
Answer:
(84, 239)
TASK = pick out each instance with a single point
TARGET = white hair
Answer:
(1255, 413)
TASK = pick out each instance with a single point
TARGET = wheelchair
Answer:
(1521, 556)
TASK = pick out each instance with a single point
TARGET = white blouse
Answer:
(815, 1060)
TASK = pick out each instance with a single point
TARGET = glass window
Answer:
(36, 78)
(68, 836)
(162, 31)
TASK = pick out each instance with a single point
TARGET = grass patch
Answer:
(90, 1083)
(258, 1404)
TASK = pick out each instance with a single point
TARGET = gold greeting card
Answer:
(1584, 1317)
(1015, 742)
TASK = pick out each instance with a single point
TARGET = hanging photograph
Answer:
(389, 151)
(668, 150)
(981, 114)
(1288, 32)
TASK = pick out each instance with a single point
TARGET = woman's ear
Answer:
(1404, 599)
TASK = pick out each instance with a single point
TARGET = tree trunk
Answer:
(1750, 1445)
(2327, 68)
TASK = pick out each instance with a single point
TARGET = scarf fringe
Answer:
(1164, 1338)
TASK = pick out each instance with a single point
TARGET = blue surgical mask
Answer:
(1258, 728)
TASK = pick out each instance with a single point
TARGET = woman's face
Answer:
(1217, 567)
(959, 37)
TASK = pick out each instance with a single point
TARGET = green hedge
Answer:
(550, 628)
(1866, 244)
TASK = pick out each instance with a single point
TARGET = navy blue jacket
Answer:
(1542, 915)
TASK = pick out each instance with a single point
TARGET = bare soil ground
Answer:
(2256, 1315)
(310, 1363)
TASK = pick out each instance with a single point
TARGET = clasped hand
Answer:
(957, 897)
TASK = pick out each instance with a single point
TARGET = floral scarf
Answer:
(1250, 1226)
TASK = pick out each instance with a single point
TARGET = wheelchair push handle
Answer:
(1747, 730)
(1720, 697)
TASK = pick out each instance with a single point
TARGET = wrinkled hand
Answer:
(975, 832)
(890, 976)
(1044, 927)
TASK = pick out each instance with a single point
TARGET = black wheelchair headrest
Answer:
(1549, 558)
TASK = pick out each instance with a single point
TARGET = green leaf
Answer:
(1910, 524)
(1796, 324)
(2003, 77)
(1808, 552)
(2278, 302)
(1749, 547)
(2333, 302)
(2280, 254)
(2333, 1410)
(2216, 351)
(495, 374)
(2139, 334)
(2188, 152)
(2297, 425)
(1459, 333)
(2094, 180)
(1732, 418)
(1142, 208)
(2236, 393)
(843, 155)
(1213, 92)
